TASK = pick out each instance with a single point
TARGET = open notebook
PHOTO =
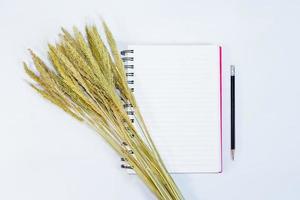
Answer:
(178, 89)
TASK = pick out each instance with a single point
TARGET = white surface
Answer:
(178, 91)
(44, 154)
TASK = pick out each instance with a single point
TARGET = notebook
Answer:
(179, 91)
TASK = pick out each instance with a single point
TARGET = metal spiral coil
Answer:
(128, 60)
(126, 166)
(128, 66)
(130, 74)
(130, 113)
(124, 52)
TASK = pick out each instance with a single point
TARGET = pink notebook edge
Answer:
(221, 121)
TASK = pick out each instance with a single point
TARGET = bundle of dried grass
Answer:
(88, 81)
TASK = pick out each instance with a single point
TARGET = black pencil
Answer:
(232, 99)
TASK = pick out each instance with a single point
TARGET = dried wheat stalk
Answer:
(88, 82)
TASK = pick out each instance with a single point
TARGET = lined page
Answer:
(178, 91)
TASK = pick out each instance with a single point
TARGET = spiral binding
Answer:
(124, 52)
(126, 166)
(128, 65)
(128, 59)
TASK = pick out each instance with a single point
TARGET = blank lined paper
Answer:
(178, 90)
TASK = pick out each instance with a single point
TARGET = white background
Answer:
(45, 154)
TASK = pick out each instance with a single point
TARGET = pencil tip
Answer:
(232, 154)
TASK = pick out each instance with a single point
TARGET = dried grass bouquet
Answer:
(88, 81)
